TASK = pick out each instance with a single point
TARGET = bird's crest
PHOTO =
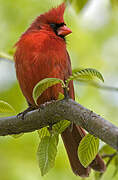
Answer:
(55, 15)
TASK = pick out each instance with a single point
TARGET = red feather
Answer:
(41, 53)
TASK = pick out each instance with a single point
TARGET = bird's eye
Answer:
(56, 26)
(53, 26)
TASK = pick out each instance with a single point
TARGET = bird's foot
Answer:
(22, 114)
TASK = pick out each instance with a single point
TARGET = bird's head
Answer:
(53, 21)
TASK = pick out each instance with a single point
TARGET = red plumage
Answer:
(41, 53)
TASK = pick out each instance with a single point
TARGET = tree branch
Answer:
(51, 113)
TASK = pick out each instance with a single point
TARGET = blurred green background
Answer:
(93, 43)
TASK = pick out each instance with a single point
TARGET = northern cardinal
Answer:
(41, 53)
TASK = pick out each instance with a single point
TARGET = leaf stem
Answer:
(66, 93)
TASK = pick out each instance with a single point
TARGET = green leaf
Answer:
(116, 166)
(6, 108)
(43, 132)
(17, 135)
(46, 153)
(97, 175)
(44, 84)
(114, 4)
(85, 74)
(88, 149)
(61, 126)
(60, 96)
(106, 149)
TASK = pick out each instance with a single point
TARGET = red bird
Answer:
(41, 53)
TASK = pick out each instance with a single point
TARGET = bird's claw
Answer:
(21, 115)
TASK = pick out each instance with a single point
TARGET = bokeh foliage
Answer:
(90, 46)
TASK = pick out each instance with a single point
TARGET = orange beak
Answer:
(64, 31)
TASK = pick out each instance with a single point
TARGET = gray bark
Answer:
(51, 113)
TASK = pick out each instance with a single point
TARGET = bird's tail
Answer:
(71, 139)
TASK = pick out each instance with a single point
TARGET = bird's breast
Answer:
(38, 57)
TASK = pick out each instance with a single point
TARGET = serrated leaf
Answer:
(61, 126)
(46, 153)
(44, 84)
(76, 70)
(88, 149)
(6, 108)
(85, 74)
(43, 132)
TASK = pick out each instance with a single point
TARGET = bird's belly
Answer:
(30, 74)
